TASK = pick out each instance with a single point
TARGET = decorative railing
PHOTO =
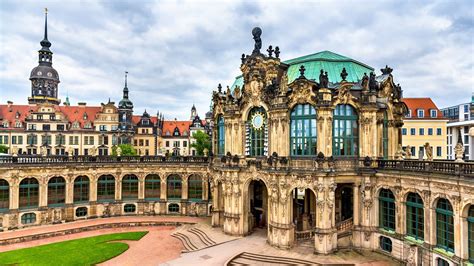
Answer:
(304, 235)
(99, 159)
(272, 163)
(345, 226)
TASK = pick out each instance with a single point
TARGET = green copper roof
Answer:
(328, 61)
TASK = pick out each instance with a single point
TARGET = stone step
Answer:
(246, 258)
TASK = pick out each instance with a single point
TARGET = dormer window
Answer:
(168, 133)
(17, 115)
(185, 133)
(88, 125)
(433, 113)
(176, 132)
(146, 122)
(85, 116)
(75, 125)
(420, 113)
(5, 124)
(409, 114)
(18, 124)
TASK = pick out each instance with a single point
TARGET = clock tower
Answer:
(44, 78)
(125, 109)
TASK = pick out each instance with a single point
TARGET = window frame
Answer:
(387, 211)
(303, 130)
(415, 216)
(444, 222)
(350, 144)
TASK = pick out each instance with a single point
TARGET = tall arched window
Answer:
(444, 225)
(220, 136)
(130, 187)
(415, 216)
(385, 136)
(470, 233)
(152, 187)
(195, 188)
(303, 132)
(256, 132)
(56, 191)
(387, 210)
(345, 137)
(29, 193)
(4, 195)
(106, 188)
(174, 186)
(81, 189)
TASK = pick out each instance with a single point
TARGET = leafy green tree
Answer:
(3, 149)
(127, 150)
(202, 142)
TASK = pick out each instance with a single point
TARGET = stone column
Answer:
(184, 189)
(363, 232)
(14, 196)
(93, 189)
(356, 207)
(141, 188)
(456, 202)
(368, 139)
(205, 190)
(43, 192)
(69, 191)
(324, 123)
(118, 188)
(325, 241)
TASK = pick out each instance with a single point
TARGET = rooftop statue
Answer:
(257, 32)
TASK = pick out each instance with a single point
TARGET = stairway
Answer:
(246, 258)
(197, 237)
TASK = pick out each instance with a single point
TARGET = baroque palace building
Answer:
(308, 149)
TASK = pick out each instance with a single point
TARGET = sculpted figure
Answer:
(429, 151)
(44, 151)
(400, 153)
(119, 151)
(408, 152)
(459, 151)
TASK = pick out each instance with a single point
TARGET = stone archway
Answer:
(256, 207)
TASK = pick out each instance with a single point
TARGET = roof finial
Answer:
(126, 74)
(45, 42)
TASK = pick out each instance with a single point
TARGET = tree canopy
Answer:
(202, 142)
(127, 150)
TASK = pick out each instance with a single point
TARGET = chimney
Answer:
(9, 104)
(82, 104)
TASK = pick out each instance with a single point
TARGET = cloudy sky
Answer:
(176, 52)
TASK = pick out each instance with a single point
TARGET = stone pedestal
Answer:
(325, 241)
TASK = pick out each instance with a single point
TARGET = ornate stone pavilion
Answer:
(307, 149)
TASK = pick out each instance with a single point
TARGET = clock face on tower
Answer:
(257, 121)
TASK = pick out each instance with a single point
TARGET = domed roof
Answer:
(44, 72)
(125, 103)
(328, 61)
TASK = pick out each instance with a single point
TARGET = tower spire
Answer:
(125, 89)
(45, 42)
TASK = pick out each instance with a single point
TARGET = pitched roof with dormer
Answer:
(425, 104)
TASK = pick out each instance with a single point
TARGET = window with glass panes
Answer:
(29, 193)
(28, 218)
(220, 135)
(470, 233)
(386, 244)
(345, 131)
(256, 131)
(56, 191)
(387, 210)
(441, 262)
(415, 216)
(106, 188)
(81, 212)
(81, 189)
(195, 187)
(152, 187)
(129, 187)
(4, 195)
(173, 207)
(385, 136)
(303, 132)
(174, 186)
(444, 225)
(128, 208)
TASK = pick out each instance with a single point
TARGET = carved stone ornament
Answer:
(344, 95)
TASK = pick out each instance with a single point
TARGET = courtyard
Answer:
(152, 241)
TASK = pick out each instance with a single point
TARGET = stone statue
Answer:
(400, 153)
(206, 152)
(459, 151)
(93, 151)
(237, 92)
(119, 151)
(14, 151)
(429, 151)
(408, 152)
(257, 32)
(323, 79)
(70, 151)
(44, 151)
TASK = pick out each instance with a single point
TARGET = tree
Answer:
(3, 149)
(202, 142)
(127, 150)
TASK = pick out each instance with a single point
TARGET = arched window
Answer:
(387, 210)
(81, 212)
(303, 132)
(220, 136)
(444, 225)
(81, 189)
(56, 191)
(174, 187)
(386, 244)
(470, 229)
(130, 187)
(152, 187)
(415, 216)
(195, 188)
(4, 195)
(256, 132)
(345, 137)
(441, 262)
(385, 136)
(106, 188)
(174, 208)
(29, 193)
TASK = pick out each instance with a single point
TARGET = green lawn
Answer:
(84, 251)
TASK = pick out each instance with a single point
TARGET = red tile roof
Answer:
(169, 126)
(426, 104)
(136, 119)
(76, 113)
(8, 113)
